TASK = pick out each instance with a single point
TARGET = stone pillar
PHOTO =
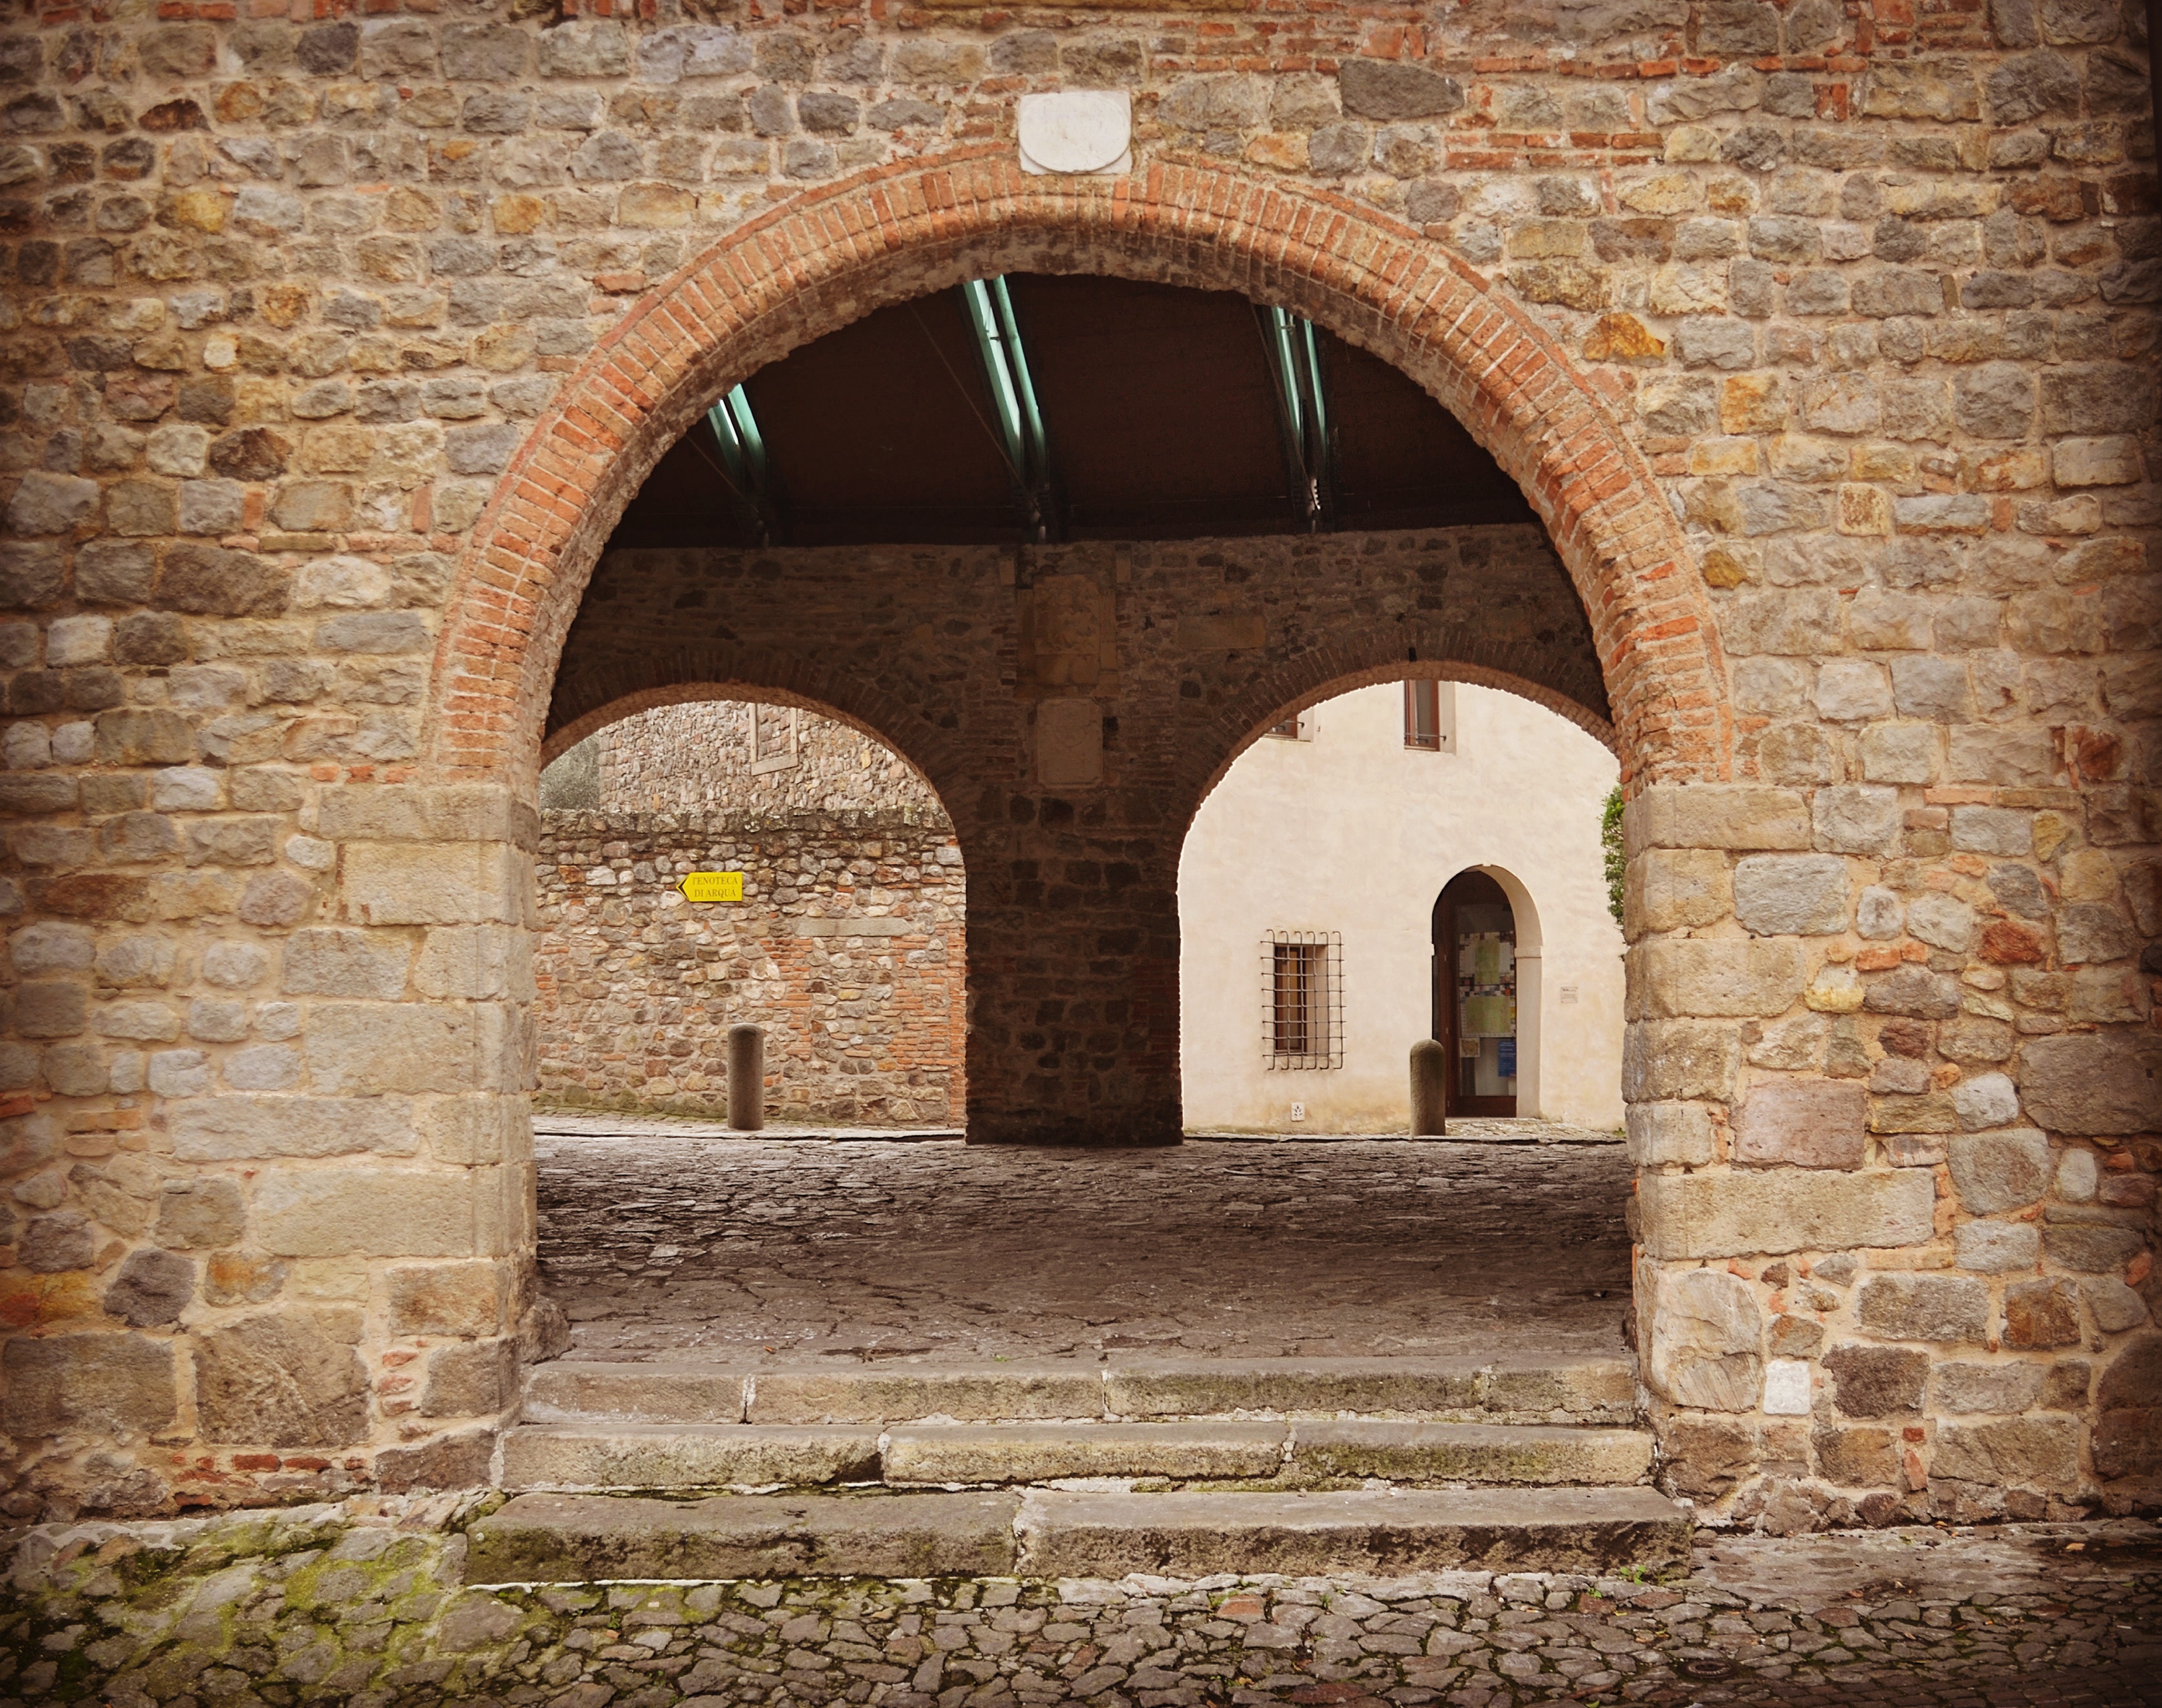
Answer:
(746, 1076)
(279, 1190)
(1885, 1211)
(1073, 983)
(1430, 1066)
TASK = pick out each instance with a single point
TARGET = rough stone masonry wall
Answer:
(1865, 293)
(847, 946)
(698, 757)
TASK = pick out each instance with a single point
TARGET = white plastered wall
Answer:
(1351, 832)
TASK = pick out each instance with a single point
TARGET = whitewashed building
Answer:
(1404, 861)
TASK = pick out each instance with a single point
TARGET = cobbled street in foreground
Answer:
(776, 1250)
(360, 1605)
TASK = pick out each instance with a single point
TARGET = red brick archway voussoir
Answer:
(834, 254)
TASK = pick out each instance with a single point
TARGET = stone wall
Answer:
(1823, 339)
(847, 947)
(701, 757)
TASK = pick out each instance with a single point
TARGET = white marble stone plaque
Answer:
(1076, 132)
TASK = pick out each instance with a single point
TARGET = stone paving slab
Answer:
(765, 1253)
(360, 1605)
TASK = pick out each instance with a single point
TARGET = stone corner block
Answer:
(457, 883)
(1717, 977)
(1742, 816)
(378, 1212)
(1805, 1123)
(1734, 1213)
(1660, 1133)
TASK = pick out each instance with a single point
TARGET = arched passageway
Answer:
(1309, 881)
(1074, 766)
(1074, 698)
(844, 936)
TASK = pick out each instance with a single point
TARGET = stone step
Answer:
(685, 1456)
(580, 1538)
(1290, 1453)
(1524, 1388)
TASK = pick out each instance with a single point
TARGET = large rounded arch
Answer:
(828, 257)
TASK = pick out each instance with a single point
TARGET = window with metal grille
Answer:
(1430, 717)
(1303, 999)
(1299, 727)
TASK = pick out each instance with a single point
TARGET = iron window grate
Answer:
(1303, 999)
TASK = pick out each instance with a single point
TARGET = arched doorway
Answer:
(1487, 997)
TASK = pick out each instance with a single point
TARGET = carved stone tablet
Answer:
(1069, 743)
(1077, 131)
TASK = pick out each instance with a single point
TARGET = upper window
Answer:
(1299, 727)
(1430, 717)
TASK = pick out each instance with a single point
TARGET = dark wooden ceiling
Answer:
(1159, 410)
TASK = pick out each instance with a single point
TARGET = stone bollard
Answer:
(1429, 1089)
(746, 1078)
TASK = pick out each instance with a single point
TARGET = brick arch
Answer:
(1301, 682)
(830, 256)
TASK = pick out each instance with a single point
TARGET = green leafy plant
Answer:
(1610, 844)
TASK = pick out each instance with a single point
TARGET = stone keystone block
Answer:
(1747, 1214)
(1809, 1123)
(1705, 978)
(373, 1213)
(1717, 815)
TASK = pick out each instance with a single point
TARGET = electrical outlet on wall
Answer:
(1298, 1111)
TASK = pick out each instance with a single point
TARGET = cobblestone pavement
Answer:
(772, 1250)
(359, 1604)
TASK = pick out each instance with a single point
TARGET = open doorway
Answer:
(1476, 994)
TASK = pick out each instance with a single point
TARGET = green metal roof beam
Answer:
(1294, 349)
(742, 446)
(1027, 445)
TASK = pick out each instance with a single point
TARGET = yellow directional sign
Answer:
(711, 887)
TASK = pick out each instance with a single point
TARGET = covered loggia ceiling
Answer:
(1073, 407)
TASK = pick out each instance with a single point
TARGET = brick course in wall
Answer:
(847, 947)
(1823, 339)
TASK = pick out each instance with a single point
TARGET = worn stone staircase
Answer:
(1186, 1468)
